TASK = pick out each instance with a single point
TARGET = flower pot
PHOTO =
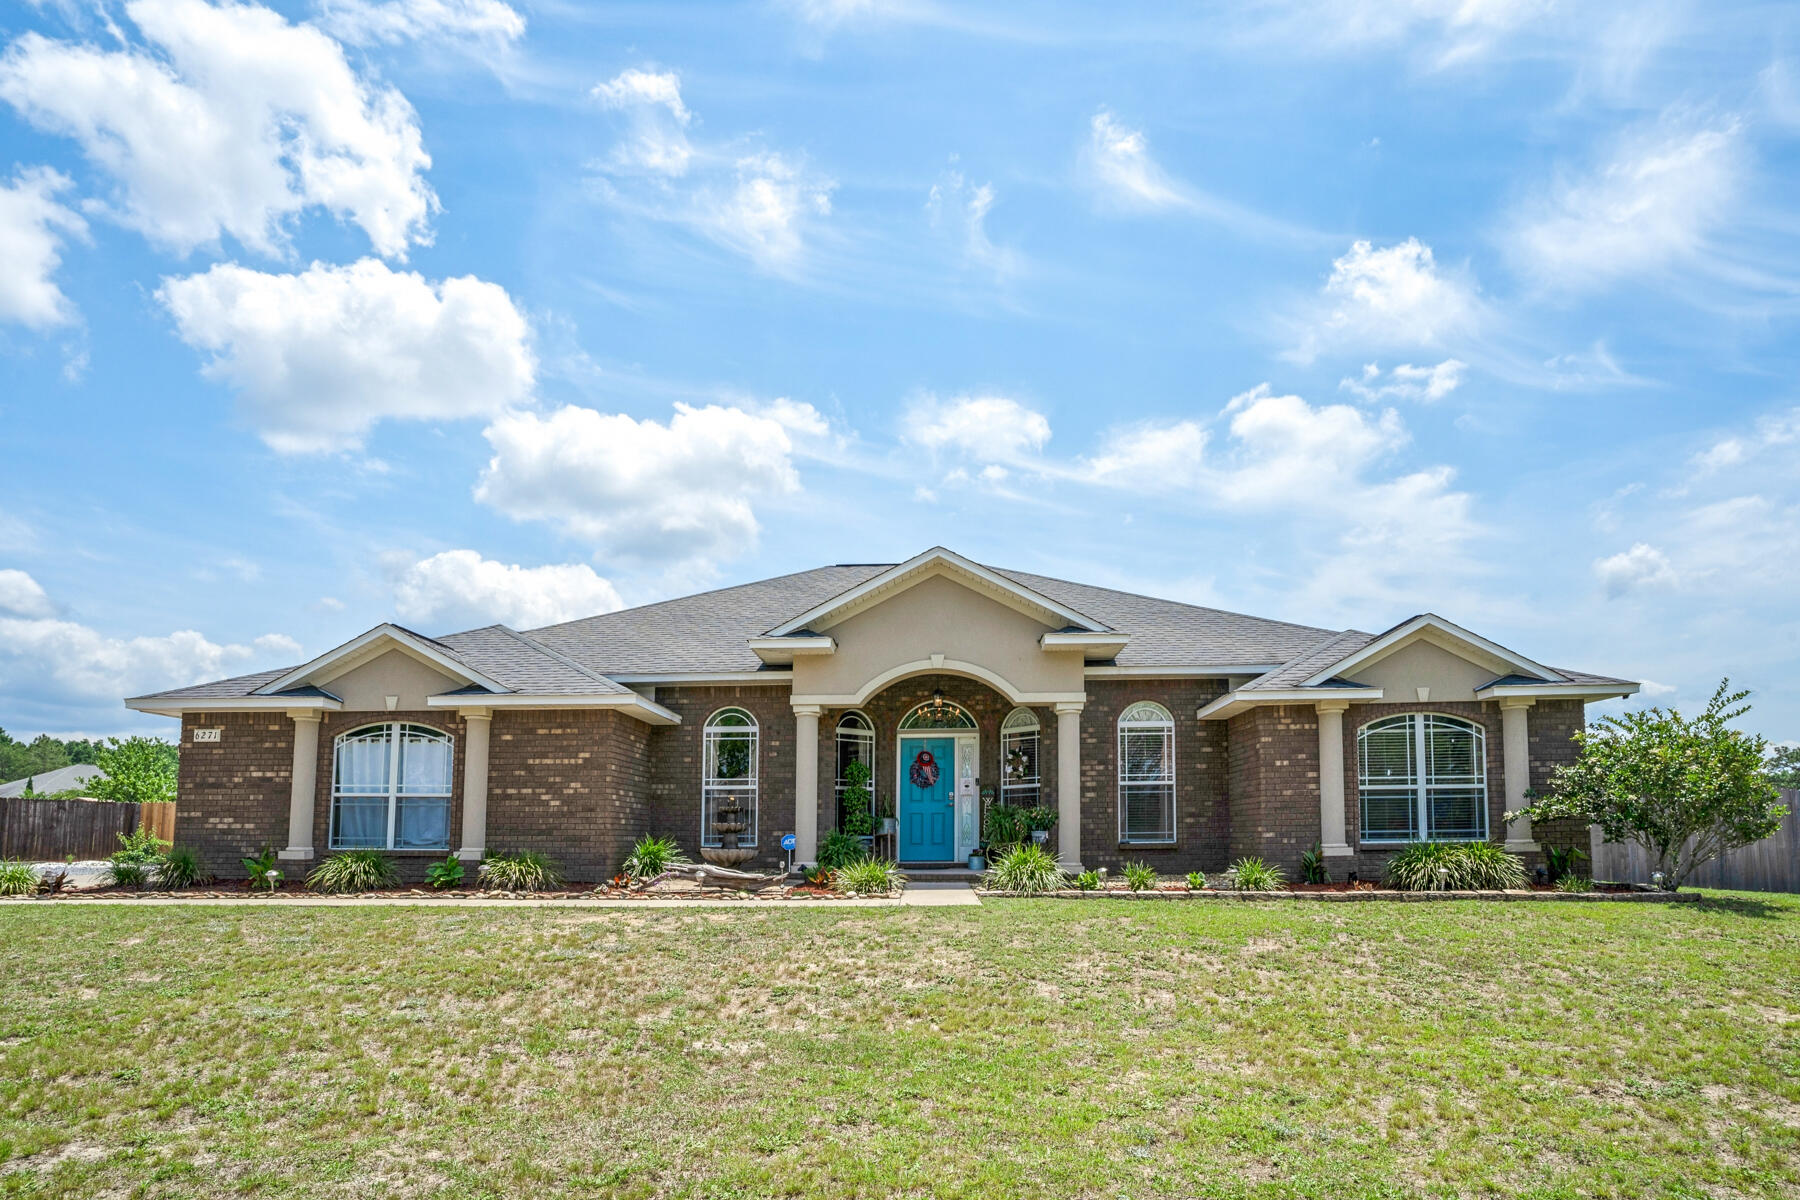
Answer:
(977, 863)
(1040, 836)
(890, 825)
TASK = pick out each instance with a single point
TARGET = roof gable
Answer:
(1446, 635)
(377, 641)
(938, 563)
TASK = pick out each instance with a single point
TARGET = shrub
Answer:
(1027, 867)
(17, 878)
(651, 856)
(839, 849)
(1040, 818)
(1005, 825)
(1455, 866)
(127, 874)
(1140, 876)
(354, 871)
(180, 868)
(261, 872)
(140, 846)
(1574, 883)
(859, 822)
(870, 876)
(1312, 865)
(1255, 875)
(520, 871)
(1560, 860)
(446, 874)
(1197, 880)
(1088, 881)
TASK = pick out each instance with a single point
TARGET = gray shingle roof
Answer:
(58, 780)
(708, 634)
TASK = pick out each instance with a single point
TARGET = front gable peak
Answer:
(367, 647)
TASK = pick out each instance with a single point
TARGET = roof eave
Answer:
(1561, 691)
(1233, 703)
(629, 703)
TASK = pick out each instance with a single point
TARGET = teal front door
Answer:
(927, 799)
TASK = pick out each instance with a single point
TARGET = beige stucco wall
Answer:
(394, 673)
(1423, 664)
(938, 616)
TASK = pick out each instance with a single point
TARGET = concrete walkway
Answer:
(919, 895)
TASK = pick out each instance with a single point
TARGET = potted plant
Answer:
(1039, 820)
(890, 825)
(978, 859)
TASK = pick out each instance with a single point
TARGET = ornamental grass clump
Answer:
(1026, 868)
(1455, 867)
(870, 876)
(1255, 875)
(1140, 876)
(354, 871)
(17, 878)
(520, 871)
(651, 856)
(180, 869)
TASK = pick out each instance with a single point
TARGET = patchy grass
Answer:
(1020, 1049)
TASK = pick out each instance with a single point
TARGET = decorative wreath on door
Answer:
(924, 771)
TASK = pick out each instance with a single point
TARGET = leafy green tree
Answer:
(1687, 790)
(139, 770)
(1783, 766)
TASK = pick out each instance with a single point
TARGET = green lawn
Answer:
(1023, 1048)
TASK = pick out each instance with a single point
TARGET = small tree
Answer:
(1686, 790)
(1783, 766)
(139, 770)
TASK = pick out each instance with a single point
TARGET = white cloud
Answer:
(960, 209)
(982, 428)
(1118, 162)
(665, 493)
(1642, 566)
(1650, 688)
(756, 202)
(461, 587)
(47, 661)
(227, 119)
(1388, 296)
(1771, 431)
(372, 22)
(1651, 208)
(1407, 382)
(1442, 33)
(33, 224)
(1149, 456)
(22, 596)
(320, 356)
(657, 117)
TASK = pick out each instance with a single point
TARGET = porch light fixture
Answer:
(937, 705)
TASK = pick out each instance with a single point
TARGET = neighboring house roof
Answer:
(718, 633)
(58, 780)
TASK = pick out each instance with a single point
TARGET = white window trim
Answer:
(1422, 781)
(1166, 725)
(393, 795)
(710, 784)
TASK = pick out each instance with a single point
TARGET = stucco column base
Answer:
(1068, 787)
(1337, 850)
(806, 784)
(476, 725)
(304, 784)
(1515, 761)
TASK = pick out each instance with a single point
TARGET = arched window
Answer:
(855, 744)
(1146, 774)
(728, 775)
(938, 713)
(1422, 775)
(1019, 758)
(390, 789)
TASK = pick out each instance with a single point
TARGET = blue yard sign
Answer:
(788, 841)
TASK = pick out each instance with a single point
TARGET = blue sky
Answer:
(451, 311)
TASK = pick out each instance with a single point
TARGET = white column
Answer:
(305, 782)
(1515, 762)
(476, 724)
(1331, 778)
(806, 784)
(1068, 786)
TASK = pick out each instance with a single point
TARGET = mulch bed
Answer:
(1358, 892)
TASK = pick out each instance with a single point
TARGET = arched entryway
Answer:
(936, 782)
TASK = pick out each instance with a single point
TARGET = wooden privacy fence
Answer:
(50, 830)
(1771, 865)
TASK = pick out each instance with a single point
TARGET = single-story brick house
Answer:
(1175, 734)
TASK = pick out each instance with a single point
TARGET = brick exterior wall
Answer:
(676, 759)
(1274, 783)
(1554, 724)
(1202, 796)
(232, 797)
(572, 783)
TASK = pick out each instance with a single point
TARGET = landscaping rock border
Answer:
(1357, 897)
